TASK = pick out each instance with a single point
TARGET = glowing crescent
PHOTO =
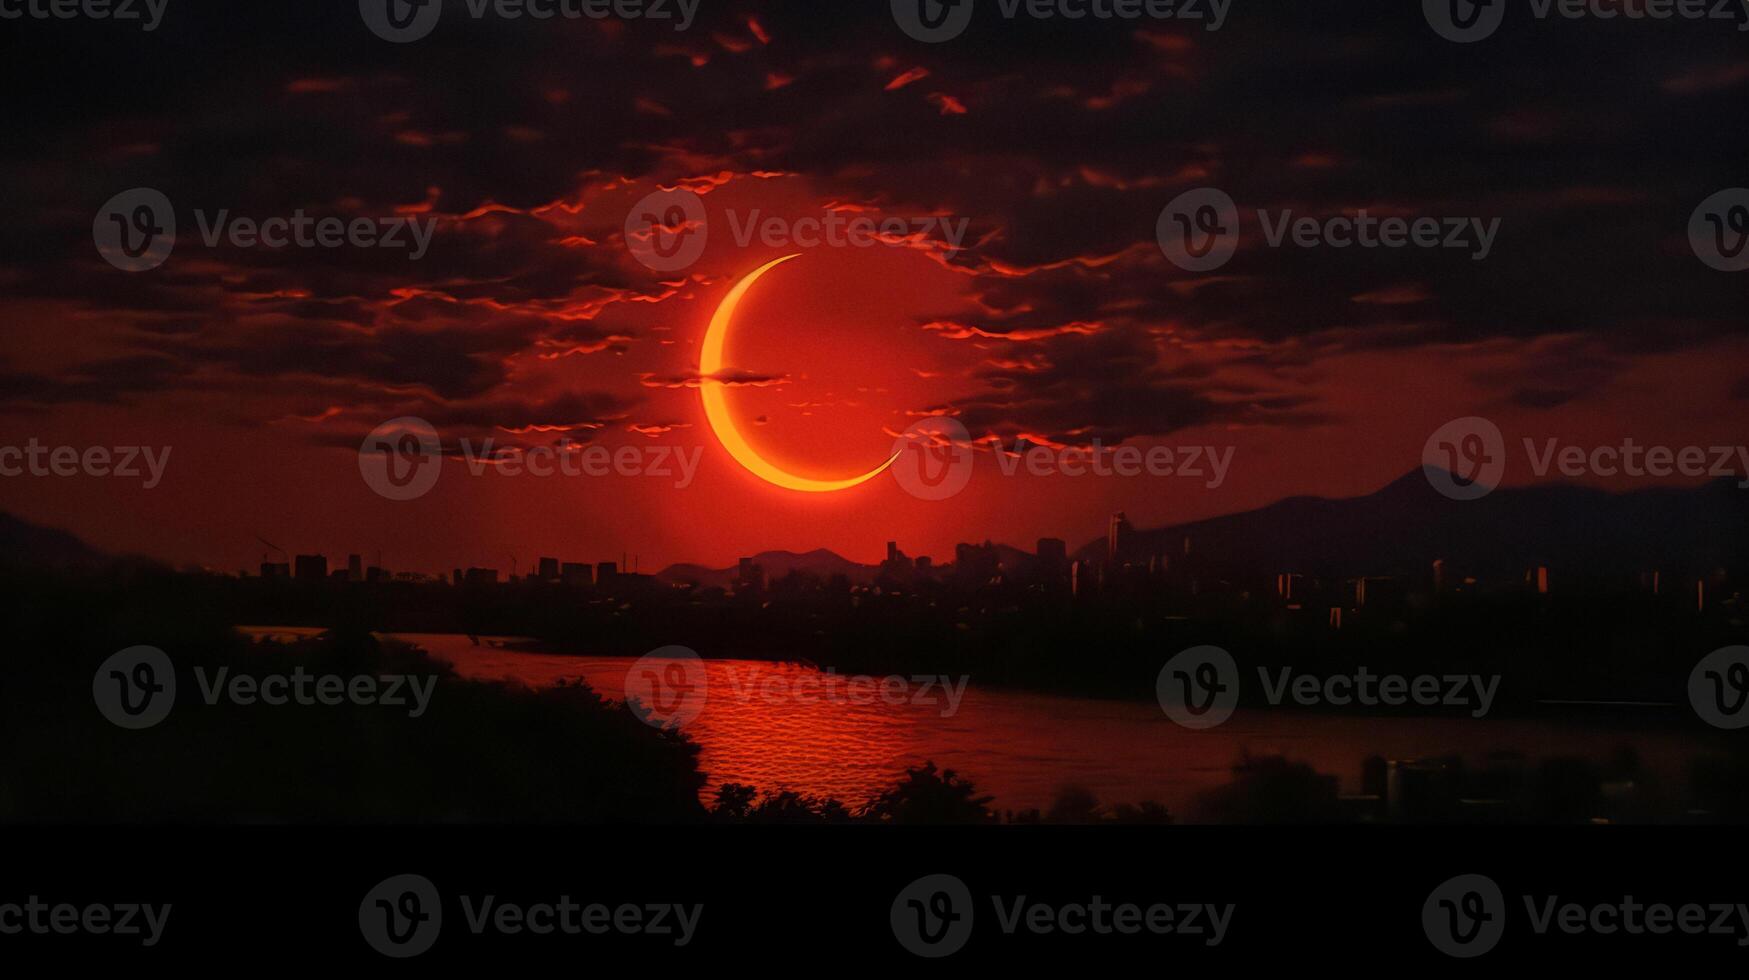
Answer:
(716, 400)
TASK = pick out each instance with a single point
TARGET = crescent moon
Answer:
(716, 400)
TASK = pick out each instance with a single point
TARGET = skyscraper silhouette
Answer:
(1118, 538)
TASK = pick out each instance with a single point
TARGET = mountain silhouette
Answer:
(1404, 527)
(776, 565)
(24, 544)
(1399, 530)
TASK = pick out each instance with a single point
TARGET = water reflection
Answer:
(1025, 748)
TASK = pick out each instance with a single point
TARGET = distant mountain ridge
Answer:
(22, 542)
(776, 564)
(1398, 530)
(1404, 527)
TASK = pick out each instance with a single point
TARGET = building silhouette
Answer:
(1053, 552)
(1118, 539)
(977, 564)
(749, 577)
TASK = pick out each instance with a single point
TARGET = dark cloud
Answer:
(1059, 142)
(108, 381)
(1109, 387)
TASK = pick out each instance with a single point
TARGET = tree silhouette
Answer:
(930, 796)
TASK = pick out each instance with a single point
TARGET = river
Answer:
(770, 726)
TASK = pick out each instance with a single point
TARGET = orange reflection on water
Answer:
(771, 726)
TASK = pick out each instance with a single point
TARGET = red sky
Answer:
(1323, 371)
